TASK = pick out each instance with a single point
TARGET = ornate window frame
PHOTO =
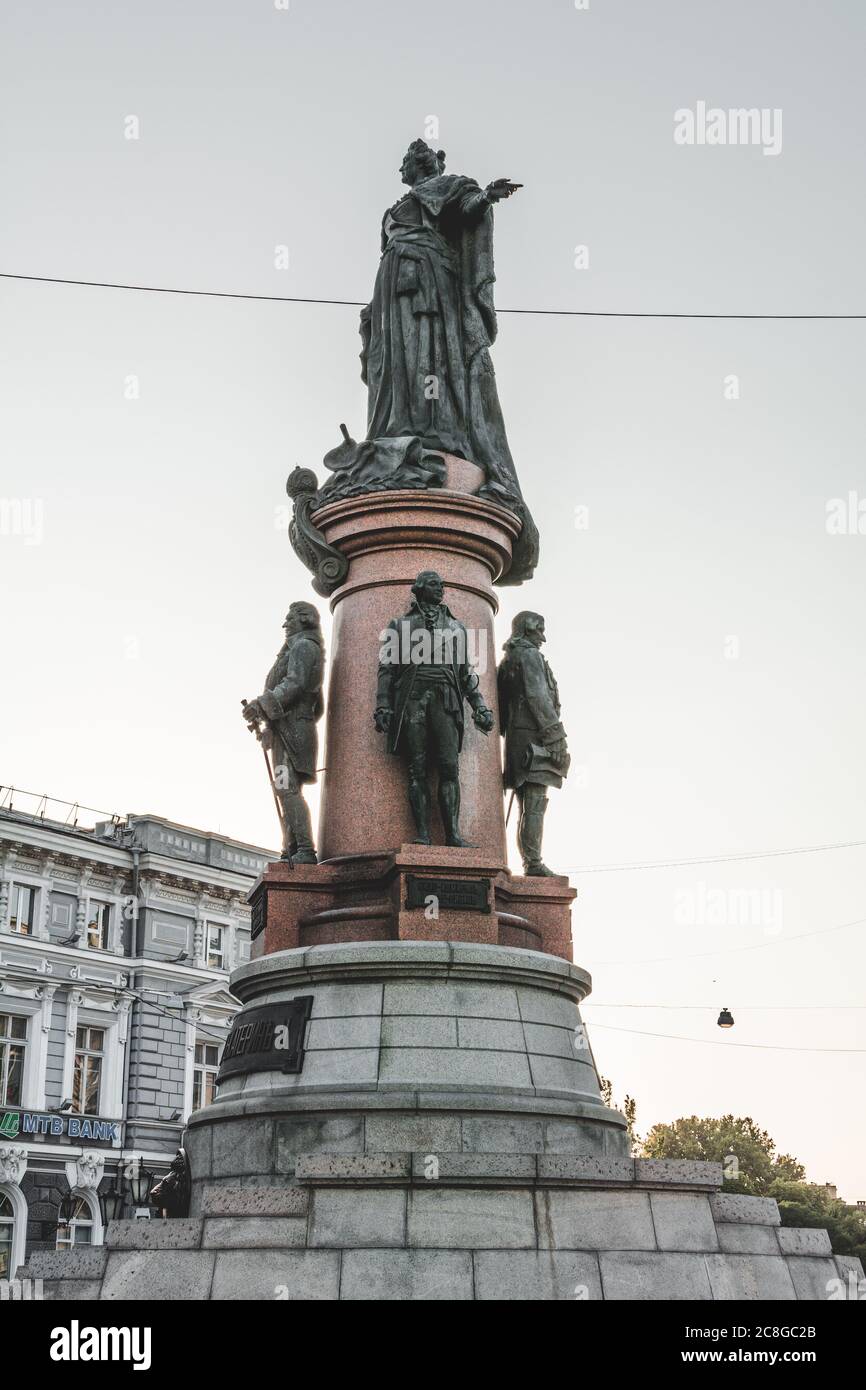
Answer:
(13, 1164)
(86, 1010)
(36, 1006)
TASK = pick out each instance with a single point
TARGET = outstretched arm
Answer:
(474, 201)
(501, 188)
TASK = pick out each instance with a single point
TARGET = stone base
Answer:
(367, 898)
(412, 1045)
(445, 1138)
(461, 1227)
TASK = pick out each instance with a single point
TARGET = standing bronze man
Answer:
(424, 677)
(284, 718)
(536, 752)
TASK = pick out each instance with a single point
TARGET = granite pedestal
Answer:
(417, 892)
(444, 1139)
(388, 539)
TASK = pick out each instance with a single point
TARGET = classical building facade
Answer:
(116, 944)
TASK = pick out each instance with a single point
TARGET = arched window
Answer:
(13, 1229)
(7, 1236)
(83, 1228)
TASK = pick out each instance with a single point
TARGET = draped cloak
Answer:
(426, 337)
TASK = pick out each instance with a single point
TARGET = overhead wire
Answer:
(360, 303)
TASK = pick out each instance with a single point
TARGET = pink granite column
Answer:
(389, 538)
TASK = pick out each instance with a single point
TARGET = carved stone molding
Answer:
(13, 1163)
(85, 1170)
(46, 993)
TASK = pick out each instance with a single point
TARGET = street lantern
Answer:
(140, 1180)
(725, 1019)
(67, 1210)
(111, 1202)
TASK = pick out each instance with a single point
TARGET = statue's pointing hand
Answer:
(501, 188)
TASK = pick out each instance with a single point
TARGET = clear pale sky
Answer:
(152, 600)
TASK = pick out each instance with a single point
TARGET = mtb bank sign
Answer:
(15, 1123)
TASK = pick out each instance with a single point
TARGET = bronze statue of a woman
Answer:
(426, 337)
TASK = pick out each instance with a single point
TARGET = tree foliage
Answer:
(628, 1108)
(806, 1204)
(752, 1166)
(747, 1153)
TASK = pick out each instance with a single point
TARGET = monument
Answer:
(408, 1103)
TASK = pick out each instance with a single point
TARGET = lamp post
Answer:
(140, 1181)
(111, 1202)
(66, 1210)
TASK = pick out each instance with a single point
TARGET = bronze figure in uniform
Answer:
(424, 677)
(536, 752)
(284, 718)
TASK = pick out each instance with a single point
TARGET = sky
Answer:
(705, 619)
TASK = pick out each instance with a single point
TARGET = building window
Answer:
(21, 910)
(98, 922)
(216, 947)
(207, 1064)
(13, 1042)
(78, 1230)
(89, 1045)
(7, 1236)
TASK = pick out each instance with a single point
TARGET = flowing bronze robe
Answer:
(426, 338)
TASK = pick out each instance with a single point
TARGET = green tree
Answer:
(747, 1153)
(805, 1204)
(752, 1166)
(628, 1108)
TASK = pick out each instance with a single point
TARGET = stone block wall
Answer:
(461, 1227)
(157, 1063)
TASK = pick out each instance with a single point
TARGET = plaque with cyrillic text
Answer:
(268, 1038)
(448, 894)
